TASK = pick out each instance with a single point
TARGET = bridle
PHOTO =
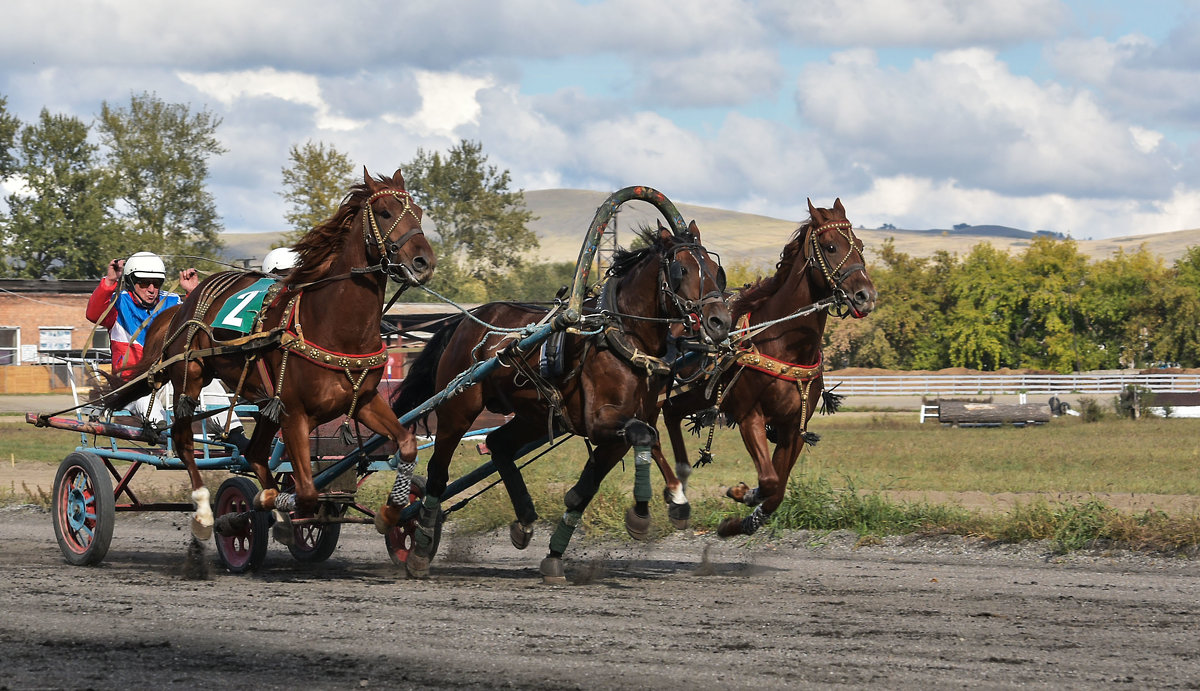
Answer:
(390, 249)
(670, 277)
(836, 274)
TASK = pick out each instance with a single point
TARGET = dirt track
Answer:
(687, 612)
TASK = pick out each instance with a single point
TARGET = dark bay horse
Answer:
(772, 382)
(320, 354)
(606, 390)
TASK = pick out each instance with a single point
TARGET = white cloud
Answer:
(448, 101)
(963, 115)
(716, 78)
(294, 87)
(939, 23)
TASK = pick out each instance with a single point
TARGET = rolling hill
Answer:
(563, 216)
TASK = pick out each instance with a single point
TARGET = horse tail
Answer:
(110, 392)
(418, 384)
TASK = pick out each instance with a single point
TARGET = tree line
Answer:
(1046, 308)
(137, 179)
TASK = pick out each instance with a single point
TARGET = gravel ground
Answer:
(689, 611)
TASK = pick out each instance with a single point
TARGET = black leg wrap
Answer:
(573, 501)
(754, 521)
(638, 433)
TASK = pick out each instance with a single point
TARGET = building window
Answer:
(10, 345)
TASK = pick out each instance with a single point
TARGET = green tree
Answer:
(59, 227)
(159, 153)
(480, 224)
(985, 298)
(314, 183)
(9, 125)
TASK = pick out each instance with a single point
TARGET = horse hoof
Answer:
(737, 493)
(680, 515)
(282, 529)
(520, 535)
(386, 518)
(200, 531)
(730, 527)
(637, 526)
(552, 571)
(417, 566)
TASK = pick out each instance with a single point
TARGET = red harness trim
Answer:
(780, 369)
(330, 359)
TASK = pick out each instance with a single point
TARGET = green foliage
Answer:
(9, 126)
(314, 184)
(159, 154)
(58, 226)
(480, 224)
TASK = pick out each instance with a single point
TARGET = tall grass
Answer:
(845, 481)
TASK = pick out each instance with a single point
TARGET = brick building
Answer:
(43, 321)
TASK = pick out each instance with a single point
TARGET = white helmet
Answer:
(280, 260)
(145, 265)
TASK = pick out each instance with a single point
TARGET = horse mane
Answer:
(624, 260)
(321, 244)
(754, 295)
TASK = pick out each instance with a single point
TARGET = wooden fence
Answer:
(986, 384)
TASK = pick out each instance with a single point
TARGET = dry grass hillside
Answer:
(564, 217)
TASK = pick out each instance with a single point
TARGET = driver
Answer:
(128, 299)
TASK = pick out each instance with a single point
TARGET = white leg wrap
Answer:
(204, 514)
(678, 497)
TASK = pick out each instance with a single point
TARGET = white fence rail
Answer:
(968, 385)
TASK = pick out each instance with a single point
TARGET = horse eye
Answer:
(831, 248)
(383, 213)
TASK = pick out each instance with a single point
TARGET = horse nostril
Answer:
(420, 264)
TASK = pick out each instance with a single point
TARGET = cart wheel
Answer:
(316, 541)
(245, 548)
(399, 540)
(84, 508)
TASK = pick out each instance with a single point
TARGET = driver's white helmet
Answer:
(143, 265)
(280, 260)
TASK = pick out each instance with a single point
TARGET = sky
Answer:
(1077, 117)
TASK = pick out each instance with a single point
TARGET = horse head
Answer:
(391, 226)
(692, 284)
(837, 256)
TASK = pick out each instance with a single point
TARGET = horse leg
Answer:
(770, 491)
(754, 437)
(188, 397)
(604, 458)
(296, 430)
(376, 415)
(679, 509)
(453, 423)
(504, 444)
(258, 454)
(643, 437)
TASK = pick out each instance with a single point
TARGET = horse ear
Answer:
(695, 231)
(366, 176)
(664, 233)
(398, 178)
(837, 206)
(812, 210)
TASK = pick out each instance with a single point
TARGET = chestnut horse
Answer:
(772, 382)
(320, 354)
(606, 390)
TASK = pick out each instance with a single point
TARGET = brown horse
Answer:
(772, 382)
(606, 390)
(315, 353)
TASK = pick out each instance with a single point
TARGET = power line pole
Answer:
(607, 247)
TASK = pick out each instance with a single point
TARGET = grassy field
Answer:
(847, 480)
